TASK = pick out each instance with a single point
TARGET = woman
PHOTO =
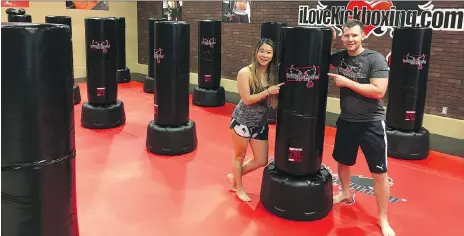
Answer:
(258, 89)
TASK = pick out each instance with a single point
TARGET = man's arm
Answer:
(378, 79)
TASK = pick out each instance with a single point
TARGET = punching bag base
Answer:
(408, 145)
(298, 198)
(208, 97)
(171, 140)
(272, 116)
(76, 94)
(123, 75)
(96, 116)
(149, 84)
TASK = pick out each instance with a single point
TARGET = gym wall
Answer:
(38, 11)
(446, 74)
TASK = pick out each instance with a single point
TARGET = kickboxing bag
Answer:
(209, 92)
(101, 57)
(149, 81)
(273, 31)
(172, 73)
(67, 21)
(302, 99)
(209, 54)
(38, 144)
(296, 185)
(409, 68)
(122, 73)
(103, 110)
(407, 89)
(171, 132)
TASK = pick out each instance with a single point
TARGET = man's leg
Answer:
(374, 147)
(345, 152)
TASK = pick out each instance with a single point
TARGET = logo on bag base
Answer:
(410, 115)
(100, 92)
(294, 154)
(361, 184)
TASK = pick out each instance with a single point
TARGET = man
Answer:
(363, 80)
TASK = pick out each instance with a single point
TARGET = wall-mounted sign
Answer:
(382, 16)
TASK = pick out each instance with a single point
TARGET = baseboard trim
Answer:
(439, 143)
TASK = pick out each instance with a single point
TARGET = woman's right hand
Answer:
(275, 89)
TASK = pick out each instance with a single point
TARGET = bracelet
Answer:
(268, 91)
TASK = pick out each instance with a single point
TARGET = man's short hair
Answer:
(354, 22)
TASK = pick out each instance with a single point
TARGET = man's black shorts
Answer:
(370, 136)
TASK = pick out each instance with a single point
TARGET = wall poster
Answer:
(236, 11)
(88, 5)
(172, 10)
(15, 3)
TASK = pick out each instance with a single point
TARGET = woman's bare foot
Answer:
(231, 179)
(340, 197)
(242, 195)
(385, 226)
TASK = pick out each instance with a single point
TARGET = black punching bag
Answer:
(296, 185)
(103, 110)
(273, 31)
(38, 144)
(302, 100)
(209, 92)
(66, 20)
(409, 67)
(171, 132)
(149, 81)
(122, 72)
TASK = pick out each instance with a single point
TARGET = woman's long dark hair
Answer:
(271, 71)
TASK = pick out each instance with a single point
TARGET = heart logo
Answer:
(388, 58)
(381, 5)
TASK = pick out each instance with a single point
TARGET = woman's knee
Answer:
(239, 156)
(262, 162)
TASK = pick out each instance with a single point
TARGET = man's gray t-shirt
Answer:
(361, 68)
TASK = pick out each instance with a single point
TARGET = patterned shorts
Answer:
(255, 132)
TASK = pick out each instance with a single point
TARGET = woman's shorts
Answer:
(255, 132)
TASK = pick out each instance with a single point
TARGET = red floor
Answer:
(122, 190)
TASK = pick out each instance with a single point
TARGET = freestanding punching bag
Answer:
(153, 57)
(67, 21)
(296, 185)
(409, 68)
(18, 15)
(103, 110)
(122, 73)
(38, 144)
(209, 92)
(273, 31)
(172, 132)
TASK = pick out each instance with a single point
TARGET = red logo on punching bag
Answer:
(207, 78)
(306, 74)
(294, 154)
(100, 45)
(100, 92)
(415, 60)
(410, 115)
(155, 109)
(208, 42)
(388, 58)
(158, 55)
